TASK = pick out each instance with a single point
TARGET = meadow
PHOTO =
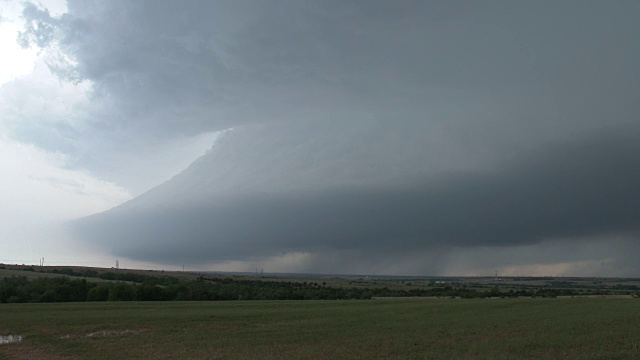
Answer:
(524, 328)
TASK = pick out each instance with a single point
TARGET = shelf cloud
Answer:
(383, 132)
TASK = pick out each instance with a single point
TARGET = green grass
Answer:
(29, 274)
(406, 329)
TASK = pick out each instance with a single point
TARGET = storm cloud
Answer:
(160, 69)
(567, 191)
(384, 129)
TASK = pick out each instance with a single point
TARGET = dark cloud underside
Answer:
(575, 190)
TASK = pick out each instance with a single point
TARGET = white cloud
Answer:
(35, 185)
(47, 130)
(38, 190)
(38, 195)
(15, 61)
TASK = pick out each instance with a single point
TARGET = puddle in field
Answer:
(10, 339)
(103, 333)
(113, 333)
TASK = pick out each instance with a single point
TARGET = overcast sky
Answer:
(379, 137)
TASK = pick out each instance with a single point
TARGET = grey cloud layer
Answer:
(367, 126)
(184, 67)
(576, 190)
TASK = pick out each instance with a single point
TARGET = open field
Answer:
(31, 275)
(420, 329)
(33, 271)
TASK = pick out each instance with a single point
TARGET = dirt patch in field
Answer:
(500, 335)
(441, 340)
(15, 351)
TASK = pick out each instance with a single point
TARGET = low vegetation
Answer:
(578, 328)
(115, 313)
(133, 287)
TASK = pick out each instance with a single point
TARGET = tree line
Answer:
(19, 289)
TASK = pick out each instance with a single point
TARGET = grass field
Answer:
(31, 275)
(406, 329)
